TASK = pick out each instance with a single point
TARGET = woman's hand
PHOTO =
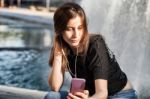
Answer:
(79, 95)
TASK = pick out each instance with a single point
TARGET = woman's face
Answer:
(74, 31)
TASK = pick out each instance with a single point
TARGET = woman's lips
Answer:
(74, 41)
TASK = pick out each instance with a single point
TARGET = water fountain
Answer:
(125, 26)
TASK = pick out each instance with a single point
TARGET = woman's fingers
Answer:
(83, 95)
(73, 96)
(68, 97)
(79, 95)
(86, 92)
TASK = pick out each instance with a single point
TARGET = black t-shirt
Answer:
(98, 63)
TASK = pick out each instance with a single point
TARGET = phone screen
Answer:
(77, 85)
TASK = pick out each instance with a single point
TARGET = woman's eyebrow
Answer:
(72, 26)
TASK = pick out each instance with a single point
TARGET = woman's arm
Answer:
(101, 91)
(56, 76)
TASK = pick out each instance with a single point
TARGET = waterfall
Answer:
(125, 25)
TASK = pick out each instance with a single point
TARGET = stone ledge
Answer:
(28, 15)
(7, 92)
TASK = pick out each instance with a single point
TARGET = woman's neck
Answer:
(74, 50)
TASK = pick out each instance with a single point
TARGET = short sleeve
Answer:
(98, 58)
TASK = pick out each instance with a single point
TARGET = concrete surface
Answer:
(43, 17)
(7, 92)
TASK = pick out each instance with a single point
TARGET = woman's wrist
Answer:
(58, 53)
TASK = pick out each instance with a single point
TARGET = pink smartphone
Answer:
(77, 85)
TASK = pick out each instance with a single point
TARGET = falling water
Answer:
(125, 24)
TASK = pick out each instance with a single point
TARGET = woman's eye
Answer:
(80, 27)
(69, 29)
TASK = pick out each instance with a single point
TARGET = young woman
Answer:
(84, 56)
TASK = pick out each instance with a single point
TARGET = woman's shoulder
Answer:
(96, 39)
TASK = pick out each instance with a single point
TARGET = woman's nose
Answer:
(76, 33)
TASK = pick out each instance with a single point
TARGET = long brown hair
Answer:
(61, 17)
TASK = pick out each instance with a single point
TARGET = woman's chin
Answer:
(75, 45)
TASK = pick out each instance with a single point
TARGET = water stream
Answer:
(125, 26)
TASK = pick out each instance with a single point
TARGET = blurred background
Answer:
(26, 35)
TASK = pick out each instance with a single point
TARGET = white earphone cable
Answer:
(75, 75)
